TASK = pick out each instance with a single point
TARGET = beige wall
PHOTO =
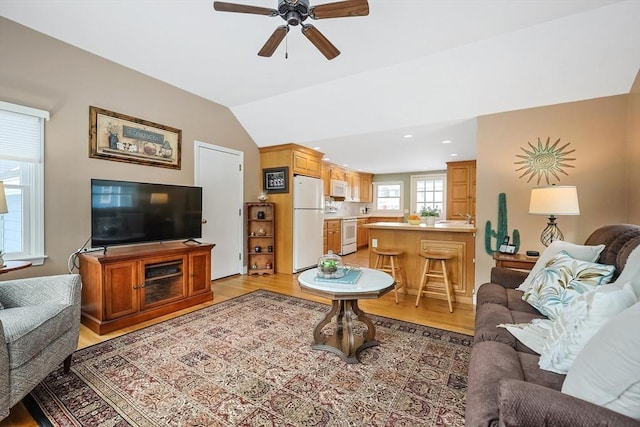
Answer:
(597, 130)
(41, 72)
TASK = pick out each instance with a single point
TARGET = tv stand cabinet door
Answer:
(199, 272)
(121, 289)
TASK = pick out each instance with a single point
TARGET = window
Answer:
(22, 171)
(428, 191)
(387, 197)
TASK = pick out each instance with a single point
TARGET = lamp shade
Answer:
(554, 200)
(3, 200)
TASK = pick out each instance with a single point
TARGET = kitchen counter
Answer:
(448, 226)
(359, 216)
(449, 237)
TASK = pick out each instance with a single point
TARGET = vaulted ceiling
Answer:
(422, 67)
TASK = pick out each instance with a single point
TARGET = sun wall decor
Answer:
(544, 161)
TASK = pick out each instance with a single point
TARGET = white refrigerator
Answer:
(308, 220)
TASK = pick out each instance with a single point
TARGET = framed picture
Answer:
(276, 180)
(122, 138)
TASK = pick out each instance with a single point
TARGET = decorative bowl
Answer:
(414, 221)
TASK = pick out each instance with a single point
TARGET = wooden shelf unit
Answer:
(260, 219)
(129, 285)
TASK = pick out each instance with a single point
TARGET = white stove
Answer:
(349, 236)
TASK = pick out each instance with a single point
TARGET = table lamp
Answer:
(553, 200)
(3, 210)
(3, 200)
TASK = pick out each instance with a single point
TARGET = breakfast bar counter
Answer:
(448, 237)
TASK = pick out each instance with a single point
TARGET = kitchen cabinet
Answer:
(332, 236)
(353, 180)
(126, 286)
(363, 234)
(308, 164)
(260, 219)
(326, 179)
(461, 189)
(366, 195)
(338, 173)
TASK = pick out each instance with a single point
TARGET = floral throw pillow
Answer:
(561, 280)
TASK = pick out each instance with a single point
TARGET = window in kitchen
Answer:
(429, 191)
(22, 172)
(387, 197)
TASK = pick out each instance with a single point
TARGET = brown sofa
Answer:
(506, 387)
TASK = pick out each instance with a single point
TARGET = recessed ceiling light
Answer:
(446, 141)
(316, 148)
(345, 165)
(454, 155)
(326, 159)
(407, 136)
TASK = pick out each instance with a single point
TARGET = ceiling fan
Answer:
(294, 12)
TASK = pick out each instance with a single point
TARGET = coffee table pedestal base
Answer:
(344, 342)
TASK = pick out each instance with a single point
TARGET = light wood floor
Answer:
(430, 312)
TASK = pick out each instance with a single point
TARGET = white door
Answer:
(218, 170)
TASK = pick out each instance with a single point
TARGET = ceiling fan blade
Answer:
(274, 41)
(222, 6)
(320, 41)
(340, 9)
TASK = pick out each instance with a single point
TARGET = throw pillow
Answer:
(562, 280)
(607, 370)
(579, 321)
(581, 252)
(631, 271)
(533, 334)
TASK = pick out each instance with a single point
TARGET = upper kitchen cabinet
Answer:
(358, 183)
(461, 189)
(365, 188)
(326, 178)
(308, 164)
(300, 160)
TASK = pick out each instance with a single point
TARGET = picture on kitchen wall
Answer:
(122, 138)
(276, 180)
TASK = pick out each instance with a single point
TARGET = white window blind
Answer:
(20, 137)
(22, 172)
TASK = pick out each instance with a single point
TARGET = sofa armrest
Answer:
(60, 289)
(526, 404)
(4, 375)
(507, 277)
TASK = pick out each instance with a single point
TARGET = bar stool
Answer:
(441, 274)
(386, 261)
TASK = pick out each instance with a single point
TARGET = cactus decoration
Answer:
(502, 230)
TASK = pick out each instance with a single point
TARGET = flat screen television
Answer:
(124, 212)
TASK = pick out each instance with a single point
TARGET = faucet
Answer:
(467, 217)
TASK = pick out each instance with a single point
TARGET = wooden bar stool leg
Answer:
(423, 280)
(378, 258)
(395, 279)
(446, 283)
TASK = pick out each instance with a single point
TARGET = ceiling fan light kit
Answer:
(295, 12)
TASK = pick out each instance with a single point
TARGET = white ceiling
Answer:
(421, 67)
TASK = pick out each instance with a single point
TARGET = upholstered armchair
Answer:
(39, 329)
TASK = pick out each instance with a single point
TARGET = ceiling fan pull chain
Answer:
(286, 44)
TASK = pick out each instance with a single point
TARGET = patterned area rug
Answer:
(248, 362)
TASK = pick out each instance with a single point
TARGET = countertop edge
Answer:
(455, 228)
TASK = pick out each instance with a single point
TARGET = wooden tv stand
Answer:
(125, 286)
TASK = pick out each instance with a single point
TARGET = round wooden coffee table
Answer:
(372, 284)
